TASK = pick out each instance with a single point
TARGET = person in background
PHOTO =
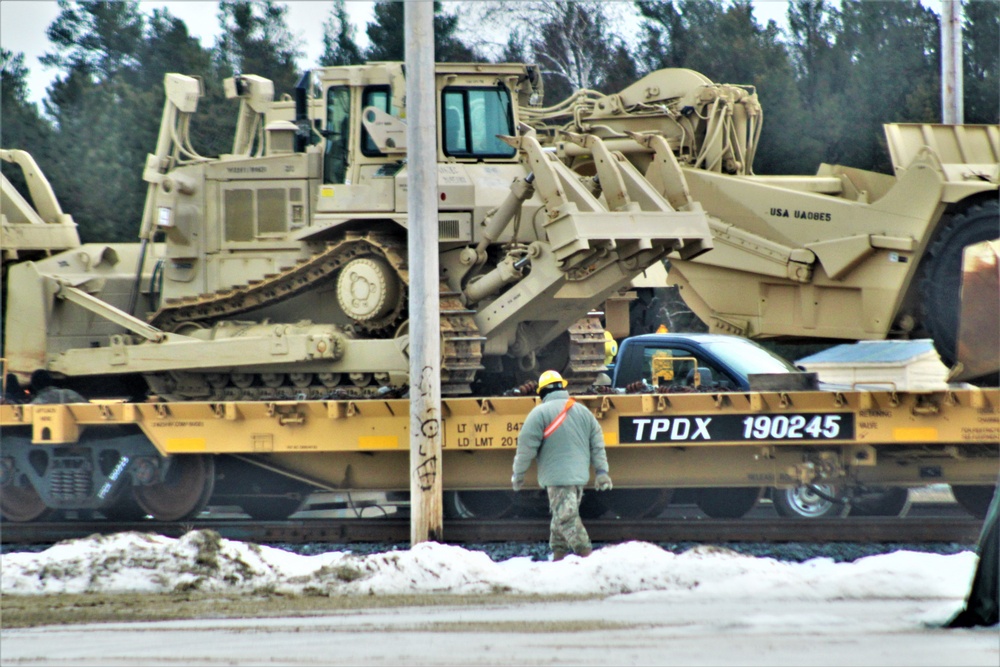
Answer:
(567, 441)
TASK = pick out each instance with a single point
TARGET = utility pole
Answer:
(952, 108)
(426, 523)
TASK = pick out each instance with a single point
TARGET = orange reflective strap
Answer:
(560, 418)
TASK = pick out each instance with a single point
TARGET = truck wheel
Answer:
(720, 503)
(941, 281)
(185, 491)
(975, 499)
(806, 502)
(882, 502)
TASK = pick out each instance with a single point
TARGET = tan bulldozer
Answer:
(280, 270)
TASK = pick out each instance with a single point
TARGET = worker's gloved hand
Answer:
(517, 481)
(603, 481)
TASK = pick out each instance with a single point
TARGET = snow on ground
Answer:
(202, 560)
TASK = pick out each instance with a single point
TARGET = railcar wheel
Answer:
(184, 492)
(593, 506)
(638, 503)
(720, 503)
(806, 502)
(264, 494)
(478, 504)
(883, 502)
(22, 503)
(272, 508)
(941, 281)
(124, 508)
(975, 499)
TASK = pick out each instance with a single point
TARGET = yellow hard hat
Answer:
(550, 377)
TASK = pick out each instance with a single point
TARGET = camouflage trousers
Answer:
(566, 533)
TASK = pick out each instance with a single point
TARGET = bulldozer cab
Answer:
(362, 116)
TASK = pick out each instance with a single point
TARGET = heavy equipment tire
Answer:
(722, 503)
(975, 499)
(882, 502)
(806, 502)
(941, 273)
(185, 491)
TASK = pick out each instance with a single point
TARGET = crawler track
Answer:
(461, 343)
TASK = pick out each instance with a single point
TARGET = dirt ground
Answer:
(25, 611)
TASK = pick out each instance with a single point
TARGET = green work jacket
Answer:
(566, 456)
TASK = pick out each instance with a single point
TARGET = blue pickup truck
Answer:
(711, 362)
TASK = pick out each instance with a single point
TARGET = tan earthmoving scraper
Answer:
(844, 254)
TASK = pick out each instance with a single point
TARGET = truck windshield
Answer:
(472, 119)
(748, 357)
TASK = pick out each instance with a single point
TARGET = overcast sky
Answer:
(23, 24)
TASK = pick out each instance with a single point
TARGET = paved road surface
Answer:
(636, 629)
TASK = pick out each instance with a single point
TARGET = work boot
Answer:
(586, 551)
(558, 555)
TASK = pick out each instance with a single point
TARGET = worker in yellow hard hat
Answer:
(573, 443)
(610, 348)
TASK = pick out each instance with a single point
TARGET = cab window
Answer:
(471, 120)
(338, 134)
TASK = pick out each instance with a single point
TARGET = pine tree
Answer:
(669, 38)
(256, 40)
(102, 37)
(981, 61)
(386, 35)
(339, 47)
(894, 75)
(22, 125)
